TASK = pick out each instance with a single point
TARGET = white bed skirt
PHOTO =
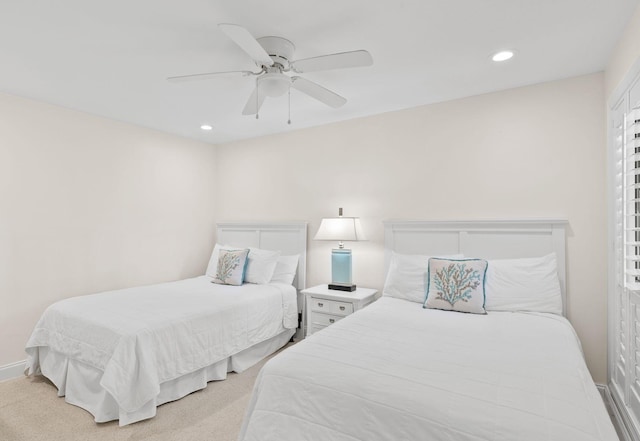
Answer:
(79, 382)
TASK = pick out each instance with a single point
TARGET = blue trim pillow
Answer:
(456, 285)
(232, 265)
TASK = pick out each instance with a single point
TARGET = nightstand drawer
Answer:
(323, 320)
(331, 306)
(342, 308)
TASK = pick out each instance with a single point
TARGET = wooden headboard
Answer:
(288, 237)
(488, 239)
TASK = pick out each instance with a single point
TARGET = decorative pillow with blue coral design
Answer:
(231, 267)
(456, 285)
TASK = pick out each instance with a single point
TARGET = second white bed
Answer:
(120, 354)
(396, 371)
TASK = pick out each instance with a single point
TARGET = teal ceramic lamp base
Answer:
(341, 270)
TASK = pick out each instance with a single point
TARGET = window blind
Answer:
(623, 358)
(626, 375)
(620, 352)
(631, 200)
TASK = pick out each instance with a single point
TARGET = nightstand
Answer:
(324, 306)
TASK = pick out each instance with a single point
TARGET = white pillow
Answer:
(286, 269)
(530, 284)
(407, 276)
(261, 265)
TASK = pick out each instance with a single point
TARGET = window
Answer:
(624, 303)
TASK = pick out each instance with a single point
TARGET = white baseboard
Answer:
(618, 414)
(13, 370)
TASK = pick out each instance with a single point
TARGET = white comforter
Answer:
(395, 371)
(141, 337)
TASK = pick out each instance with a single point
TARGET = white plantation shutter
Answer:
(619, 373)
(625, 377)
(631, 199)
(631, 256)
(623, 358)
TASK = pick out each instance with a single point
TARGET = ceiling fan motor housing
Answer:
(279, 49)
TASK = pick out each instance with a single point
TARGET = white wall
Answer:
(536, 151)
(626, 52)
(89, 204)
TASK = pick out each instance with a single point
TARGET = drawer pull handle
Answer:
(332, 320)
(342, 308)
(320, 305)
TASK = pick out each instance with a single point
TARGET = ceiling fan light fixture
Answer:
(502, 56)
(273, 56)
(273, 84)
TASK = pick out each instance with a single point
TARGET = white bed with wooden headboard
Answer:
(398, 371)
(122, 353)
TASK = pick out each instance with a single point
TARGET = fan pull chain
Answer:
(257, 100)
(289, 120)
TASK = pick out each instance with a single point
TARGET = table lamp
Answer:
(340, 229)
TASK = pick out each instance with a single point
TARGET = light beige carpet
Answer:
(30, 410)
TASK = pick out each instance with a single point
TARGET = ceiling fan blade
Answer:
(318, 92)
(207, 76)
(247, 43)
(334, 61)
(253, 104)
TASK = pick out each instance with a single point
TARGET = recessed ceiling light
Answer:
(206, 127)
(502, 56)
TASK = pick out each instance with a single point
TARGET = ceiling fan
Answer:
(273, 56)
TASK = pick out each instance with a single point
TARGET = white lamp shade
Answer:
(340, 229)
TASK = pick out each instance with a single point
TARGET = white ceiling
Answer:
(111, 58)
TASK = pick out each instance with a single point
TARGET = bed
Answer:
(122, 353)
(397, 371)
